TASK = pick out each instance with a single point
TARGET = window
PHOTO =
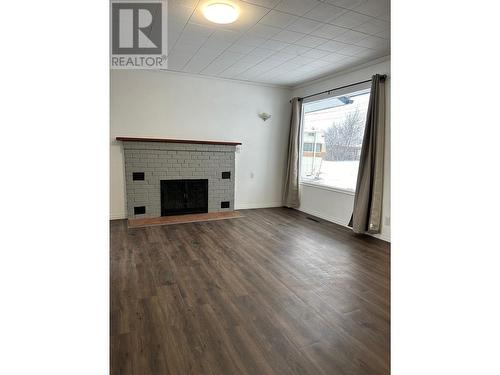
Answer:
(332, 135)
(310, 146)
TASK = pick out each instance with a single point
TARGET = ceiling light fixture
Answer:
(221, 13)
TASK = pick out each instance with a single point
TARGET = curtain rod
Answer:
(383, 76)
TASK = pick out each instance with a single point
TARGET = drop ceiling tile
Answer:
(250, 60)
(333, 57)
(177, 60)
(222, 62)
(191, 43)
(268, 64)
(215, 68)
(352, 50)
(350, 19)
(369, 54)
(265, 3)
(264, 31)
(278, 19)
(235, 69)
(373, 7)
(177, 18)
(325, 12)
(373, 26)
(386, 34)
(277, 71)
(240, 48)
(253, 72)
(350, 37)
(303, 25)
(315, 53)
(373, 42)
(297, 7)
(230, 57)
(184, 3)
(295, 49)
(282, 56)
(302, 60)
(270, 76)
(275, 45)
(332, 46)
(257, 69)
(261, 53)
(319, 64)
(214, 45)
(198, 30)
(288, 36)
(199, 61)
(250, 40)
(262, 67)
(349, 4)
(289, 65)
(173, 36)
(328, 31)
(311, 41)
(306, 68)
(287, 70)
(185, 47)
(226, 35)
(348, 62)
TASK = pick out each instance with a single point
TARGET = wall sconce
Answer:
(264, 116)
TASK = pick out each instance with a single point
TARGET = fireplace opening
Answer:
(183, 197)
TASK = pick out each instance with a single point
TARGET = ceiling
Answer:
(281, 42)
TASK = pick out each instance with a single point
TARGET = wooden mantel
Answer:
(171, 140)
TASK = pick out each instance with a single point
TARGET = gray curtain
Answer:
(367, 212)
(291, 186)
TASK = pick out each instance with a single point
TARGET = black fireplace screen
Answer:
(184, 197)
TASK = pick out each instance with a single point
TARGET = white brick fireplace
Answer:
(187, 163)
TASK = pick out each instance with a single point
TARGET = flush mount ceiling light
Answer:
(220, 13)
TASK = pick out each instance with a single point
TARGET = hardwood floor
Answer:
(270, 293)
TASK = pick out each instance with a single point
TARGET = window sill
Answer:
(329, 188)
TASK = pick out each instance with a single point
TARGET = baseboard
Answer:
(248, 206)
(341, 222)
(117, 216)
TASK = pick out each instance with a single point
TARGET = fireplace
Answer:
(173, 176)
(183, 196)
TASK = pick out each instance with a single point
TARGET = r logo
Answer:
(136, 28)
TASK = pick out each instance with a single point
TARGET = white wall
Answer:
(337, 206)
(167, 104)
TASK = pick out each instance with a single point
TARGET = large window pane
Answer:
(331, 141)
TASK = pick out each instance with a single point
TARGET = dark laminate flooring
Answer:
(270, 293)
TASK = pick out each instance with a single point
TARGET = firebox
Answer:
(183, 197)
